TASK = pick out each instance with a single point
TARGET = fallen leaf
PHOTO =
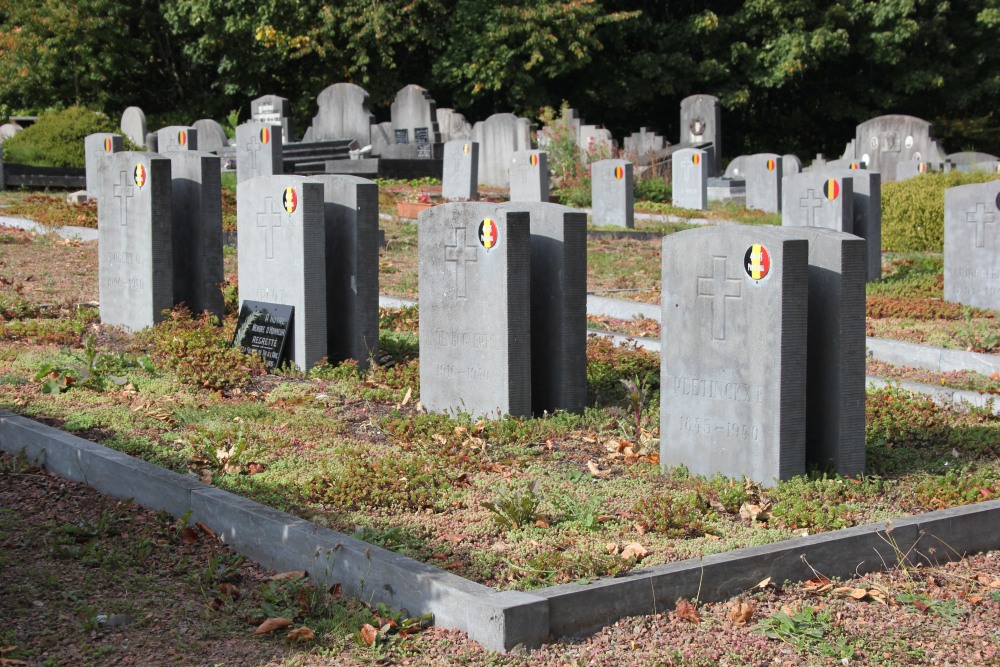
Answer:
(633, 550)
(921, 606)
(596, 471)
(541, 523)
(687, 612)
(455, 539)
(254, 468)
(302, 634)
(369, 634)
(764, 583)
(286, 576)
(229, 590)
(741, 613)
(337, 592)
(272, 624)
(859, 593)
(189, 535)
(818, 584)
(205, 529)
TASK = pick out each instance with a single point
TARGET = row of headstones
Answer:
(206, 134)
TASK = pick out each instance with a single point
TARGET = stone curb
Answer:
(68, 232)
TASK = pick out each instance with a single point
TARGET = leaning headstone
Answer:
(972, 245)
(883, 142)
(529, 176)
(689, 167)
(135, 240)
(612, 193)
(281, 247)
(733, 361)
(133, 125)
(817, 199)
(558, 306)
(835, 385)
(460, 176)
(258, 151)
(414, 119)
(499, 137)
(275, 110)
(911, 169)
(211, 137)
(453, 126)
(98, 148)
(701, 123)
(475, 329)
(866, 204)
(343, 114)
(351, 211)
(763, 173)
(176, 138)
(196, 210)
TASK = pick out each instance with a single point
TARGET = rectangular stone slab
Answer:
(689, 167)
(460, 179)
(176, 138)
(866, 204)
(763, 173)
(972, 245)
(612, 193)
(97, 147)
(529, 176)
(259, 151)
(817, 199)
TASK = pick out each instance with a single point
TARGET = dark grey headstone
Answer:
(816, 199)
(134, 228)
(733, 355)
(211, 136)
(133, 125)
(258, 151)
(612, 193)
(558, 306)
(701, 122)
(763, 173)
(276, 111)
(351, 206)
(529, 176)
(866, 203)
(98, 148)
(475, 313)
(972, 244)
(196, 209)
(499, 137)
(689, 167)
(460, 177)
(176, 138)
(281, 246)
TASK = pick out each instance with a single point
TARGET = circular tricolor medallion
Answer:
(265, 135)
(139, 175)
(290, 200)
(533, 159)
(771, 165)
(757, 261)
(619, 172)
(182, 138)
(489, 233)
(855, 165)
(696, 158)
(922, 168)
(831, 189)
(107, 144)
(466, 148)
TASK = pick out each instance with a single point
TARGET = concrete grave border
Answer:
(500, 621)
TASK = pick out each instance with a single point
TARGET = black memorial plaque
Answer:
(421, 135)
(401, 136)
(264, 328)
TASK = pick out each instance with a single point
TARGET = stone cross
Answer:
(459, 254)
(124, 191)
(980, 218)
(719, 288)
(275, 222)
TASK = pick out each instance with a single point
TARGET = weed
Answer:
(89, 368)
(978, 335)
(221, 568)
(514, 508)
(807, 630)
(946, 609)
(231, 458)
(636, 393)
(673, 513)
(609, 364)
(811, 504)
(394, 538)
(580, 508)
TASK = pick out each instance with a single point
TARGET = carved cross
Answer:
(719, 288)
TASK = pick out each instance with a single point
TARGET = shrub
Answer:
(652, 189)
(913, 210)
(56, 138)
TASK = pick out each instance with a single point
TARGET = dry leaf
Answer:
(255, 468)
(369, 634)
(687, 612)
(634, 550)
(596, 471)
(286, 576)
(455, 539)
(272, 624)
(302, 634)
(229, 590)
(189, 535)
(764, 583)
(406, 397)
(859, 593)
(818, 584)
(205, 529)
(337, 591)
(741, 613)
(541, 523)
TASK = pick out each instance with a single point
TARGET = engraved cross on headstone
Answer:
(980, 218)
(123, 191)
(459, 254)
(252, 148)
(100, 152)
(269, 222)
(719, 288)
(810, 203)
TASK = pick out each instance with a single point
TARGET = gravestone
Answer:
(211, 137)
(762, 173)
(866, 204)
(912, 169)
(790, 164)
(281, 247)
(558, 306)
(98, 147)
(460, 176)
(842, 163)
(258, 151)
(529, 176)
(736, 167)
(351, 211)
(499, 137)
(176, 138)
(593, 138)
(689, 167)
(475, 329)
(453, 126)
(701, 123)
(343, 114)
(644, 146)
(972, 245)
(835, 384)
(414, 120)
(612, 193)
(883, 142)
(275, 110)
(152, 144)
(817, 199)
(196, 211)
(262, 329)
(133, 125)
(733, 360)
(8, 130)
(135, 240)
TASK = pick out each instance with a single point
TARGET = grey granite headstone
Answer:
(763, 173)
(883, 142)
(529, 176)
(816, 199)
(835, 386)
(689, 167)
(98, 147)
(276, 110)
(644, 145)
(152, 143)
(414, 113)
(969, 158)
(281, 246)
(460, 177)
(351, 209)
(733, 352)
(499, 137)
(133, 125)
(701, 122)
(558, 306)
(736, 168)
(8, 130)
(972, 244)
(134, 229)
(612, 193)
(343, 114)
(475, 313)
(176, 138)
(912, 169)
(258, 151)
(866, 203)
(211, 136)
(453, 126)
(196, 210)
(790, 164)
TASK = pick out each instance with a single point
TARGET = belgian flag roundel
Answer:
(770, 165)
(466, 148)
(831, 188)
(182, 138)
(107, 144)
(757, 261)
(139, 174)
(696, 158)
(619, 172)
(489, 233)
(265, 135)
(533, 159)
(290, 200)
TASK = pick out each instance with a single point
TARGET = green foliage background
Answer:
(792, 76)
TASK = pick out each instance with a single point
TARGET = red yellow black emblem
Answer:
(855, 165)
(107, 144)
(182, 138)
(696, 158)
(290, 200)
(757, 261)
(831, 189)
(771, 165)
(139, 175)
(489, 233)
(265, 135)
(619, 172)
(466, 148)
(922, 168)
(533, 159)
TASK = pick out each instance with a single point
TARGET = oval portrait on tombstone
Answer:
(489, 233)
(757, 261)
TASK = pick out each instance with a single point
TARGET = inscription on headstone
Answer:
(262, 328)
(972, 245)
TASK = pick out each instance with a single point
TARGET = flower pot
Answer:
(411, 209)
